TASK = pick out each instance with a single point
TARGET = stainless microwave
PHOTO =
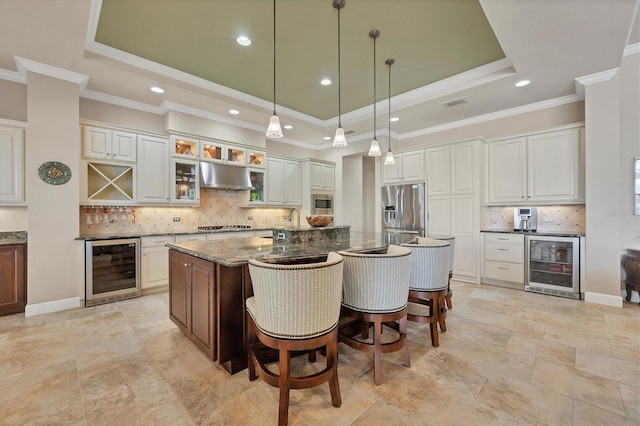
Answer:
(321, 204)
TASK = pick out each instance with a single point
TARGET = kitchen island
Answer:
(209, 283)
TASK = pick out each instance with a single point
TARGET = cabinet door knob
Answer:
(186, 264)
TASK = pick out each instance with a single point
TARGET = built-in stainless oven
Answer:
(321, 204)
(112, 270)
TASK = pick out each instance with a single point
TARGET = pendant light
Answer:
(374, 149)
(389, 157)
(339, 140)
(274, 130)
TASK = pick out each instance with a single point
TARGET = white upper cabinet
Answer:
(554, 167)
(11, 165)
(106, 144)
(409, 167)
(539, 168)
(284, 182)
(438, 170)
(153, 170)
(463, 168)
(322, 176)
(507, 171)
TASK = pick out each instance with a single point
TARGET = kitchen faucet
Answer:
(291, 215)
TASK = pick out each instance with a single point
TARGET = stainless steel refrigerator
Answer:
(403, 212)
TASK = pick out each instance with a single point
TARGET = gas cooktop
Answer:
(217, 227)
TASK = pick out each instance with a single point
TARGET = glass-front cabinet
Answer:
(217, 152)
(258, 181)
(185, 147)
(184, 179)
(553, 265)
(257, 159)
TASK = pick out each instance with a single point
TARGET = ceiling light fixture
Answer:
(394, 119)
(389, 157)
(288, 126)
(522, 83)
(325, 82)
(243, 41)
(274, 131)
(374, 149)
(339, 140)
(156, 89)
(327, 138)
(234, 111)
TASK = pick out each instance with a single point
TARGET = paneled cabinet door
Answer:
(463, 217)
(13, 286)
(413, 166)
(292, 182)
(107, 144)
(463, 168)
(439, 215)
(180, 290)
(507, 171)
(322, 176)
(554, 166)
(153, 170)
(155, 267)
(11, 165)
(392, 173)
(203, 304)
(438, 171)
(275, 181)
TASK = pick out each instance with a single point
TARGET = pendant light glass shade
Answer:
(374, 149)
(339, 141)
(274, 130)
(389, 157)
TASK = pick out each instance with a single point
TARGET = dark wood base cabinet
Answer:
(207, 303)
(13, 279)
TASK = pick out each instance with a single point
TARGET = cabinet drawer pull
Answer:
(503, 268)
(502, 239)
(502, 249)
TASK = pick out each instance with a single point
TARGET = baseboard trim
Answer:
(603, 299)
(53, 306)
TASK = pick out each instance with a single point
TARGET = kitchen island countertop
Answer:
(238, 252)
(117, 235)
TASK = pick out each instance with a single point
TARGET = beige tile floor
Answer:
(509, 357)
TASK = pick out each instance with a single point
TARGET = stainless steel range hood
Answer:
(220, 176)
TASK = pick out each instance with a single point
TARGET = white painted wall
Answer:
(55, 259)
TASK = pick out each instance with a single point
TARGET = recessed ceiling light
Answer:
(394, 119)
(288, 126)
(243, 41)
(234, 111)
(157, 89)
(325, 82)
(522, 83)
(327, 138)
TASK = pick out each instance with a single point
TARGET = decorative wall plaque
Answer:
(54, 173)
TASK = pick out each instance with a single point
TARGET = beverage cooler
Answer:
(552, 266)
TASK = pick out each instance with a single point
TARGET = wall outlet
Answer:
(280, 236)
(249, 217)
(547, 219)
(176, 219)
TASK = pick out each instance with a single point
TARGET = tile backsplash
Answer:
(564, 218)
(216, 208)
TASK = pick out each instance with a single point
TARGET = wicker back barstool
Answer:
(295, 308)
(375, 291)
(429, 280)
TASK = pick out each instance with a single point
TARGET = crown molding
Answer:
(12, 76)
(14, 123)
(632, 49)
(493, 116)
(27, 65)
(123, 102)
(598, 77)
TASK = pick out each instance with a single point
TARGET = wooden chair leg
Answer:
(377, 354)
(312, 355)
(365, 330)
(442, 309)
(435, 342)
(448, 296)
(405, 350)
(332, 361)
(251, 339)
(283, 406)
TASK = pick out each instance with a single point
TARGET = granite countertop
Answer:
(11, 238)
(155, 234)
(238, 252)
(537, 233)
(309, 228)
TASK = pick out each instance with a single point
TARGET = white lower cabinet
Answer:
(217, 236)
(155, 261)
(503, 259)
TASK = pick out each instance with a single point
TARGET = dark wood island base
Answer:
(207, 303)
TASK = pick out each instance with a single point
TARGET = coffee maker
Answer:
(525, 219)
